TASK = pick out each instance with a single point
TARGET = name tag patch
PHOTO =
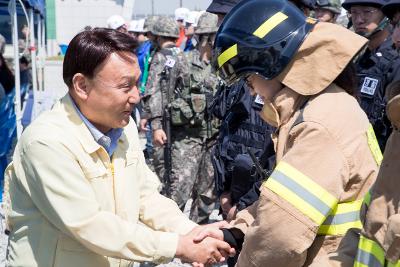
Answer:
(259, 100)
(170, 62)
(369, 86)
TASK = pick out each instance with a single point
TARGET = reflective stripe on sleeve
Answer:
(369, 254)
(390, 264)
(301, 192)
(374, 146)
(343, 217)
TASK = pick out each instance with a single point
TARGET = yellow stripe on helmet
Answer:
(270, 24)
(227, 55)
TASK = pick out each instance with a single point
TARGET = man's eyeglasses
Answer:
(366, 13)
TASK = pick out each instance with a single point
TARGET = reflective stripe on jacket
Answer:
(325, 168)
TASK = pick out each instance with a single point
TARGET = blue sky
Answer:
(168, 6)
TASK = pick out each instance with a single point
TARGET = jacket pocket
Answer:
(72, 253)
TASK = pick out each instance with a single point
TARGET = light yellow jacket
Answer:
(70, 206)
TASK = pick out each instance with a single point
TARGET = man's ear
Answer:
(80, 86)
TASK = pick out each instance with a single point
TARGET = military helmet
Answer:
(208, 23)
(391, 8)
(264, 44)
(166, 27)
(347, 4)
(149, 22)
(334, 6)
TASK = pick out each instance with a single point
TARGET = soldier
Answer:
(145, 54)
(378, 66)
(379, 242)
(328, 10)
(203, 84)
(173, 107)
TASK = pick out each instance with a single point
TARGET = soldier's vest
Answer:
(189, 91)
(241, 129)
(373, 73)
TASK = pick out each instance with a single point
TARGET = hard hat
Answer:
(221, 6)
(149, 23)
(264, 44)
(132, 25)
(181, 13)
(347, 4)
(193, 18)
(115, 21)
(207, 23)
(391, 8)
(136, 26)
(165, 26)
(334, 6)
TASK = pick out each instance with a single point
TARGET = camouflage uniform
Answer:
(189, 129)
(203, 81)
(203, 186)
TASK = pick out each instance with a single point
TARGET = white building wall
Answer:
(73, 15)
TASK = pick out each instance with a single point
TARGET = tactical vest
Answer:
(241, 129)
(374, 72)
(191, 94)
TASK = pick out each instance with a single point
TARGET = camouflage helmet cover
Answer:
(334, 6)
(166, 27)
(207, 23)
(149, 22)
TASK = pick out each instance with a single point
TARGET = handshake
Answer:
(205, 245)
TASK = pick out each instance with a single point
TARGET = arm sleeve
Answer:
(156, 210)
(60, 190)
(295, 200)
(154, 95)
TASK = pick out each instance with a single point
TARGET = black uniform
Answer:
(376, 70)
(241, 129)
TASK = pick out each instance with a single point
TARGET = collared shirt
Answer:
(109, 140)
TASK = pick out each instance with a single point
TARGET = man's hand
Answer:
(232, 213)
(208, 251)
(226, 203)
(142, 125)
(204, 244)
(209, 230)
(159, 137)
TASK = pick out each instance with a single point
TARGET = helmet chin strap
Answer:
(384, 22)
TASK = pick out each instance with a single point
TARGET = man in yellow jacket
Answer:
(78, 192)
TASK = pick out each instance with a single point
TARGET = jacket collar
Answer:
(286, 102)
(80, 129)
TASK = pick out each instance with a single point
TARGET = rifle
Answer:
(167, 129)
